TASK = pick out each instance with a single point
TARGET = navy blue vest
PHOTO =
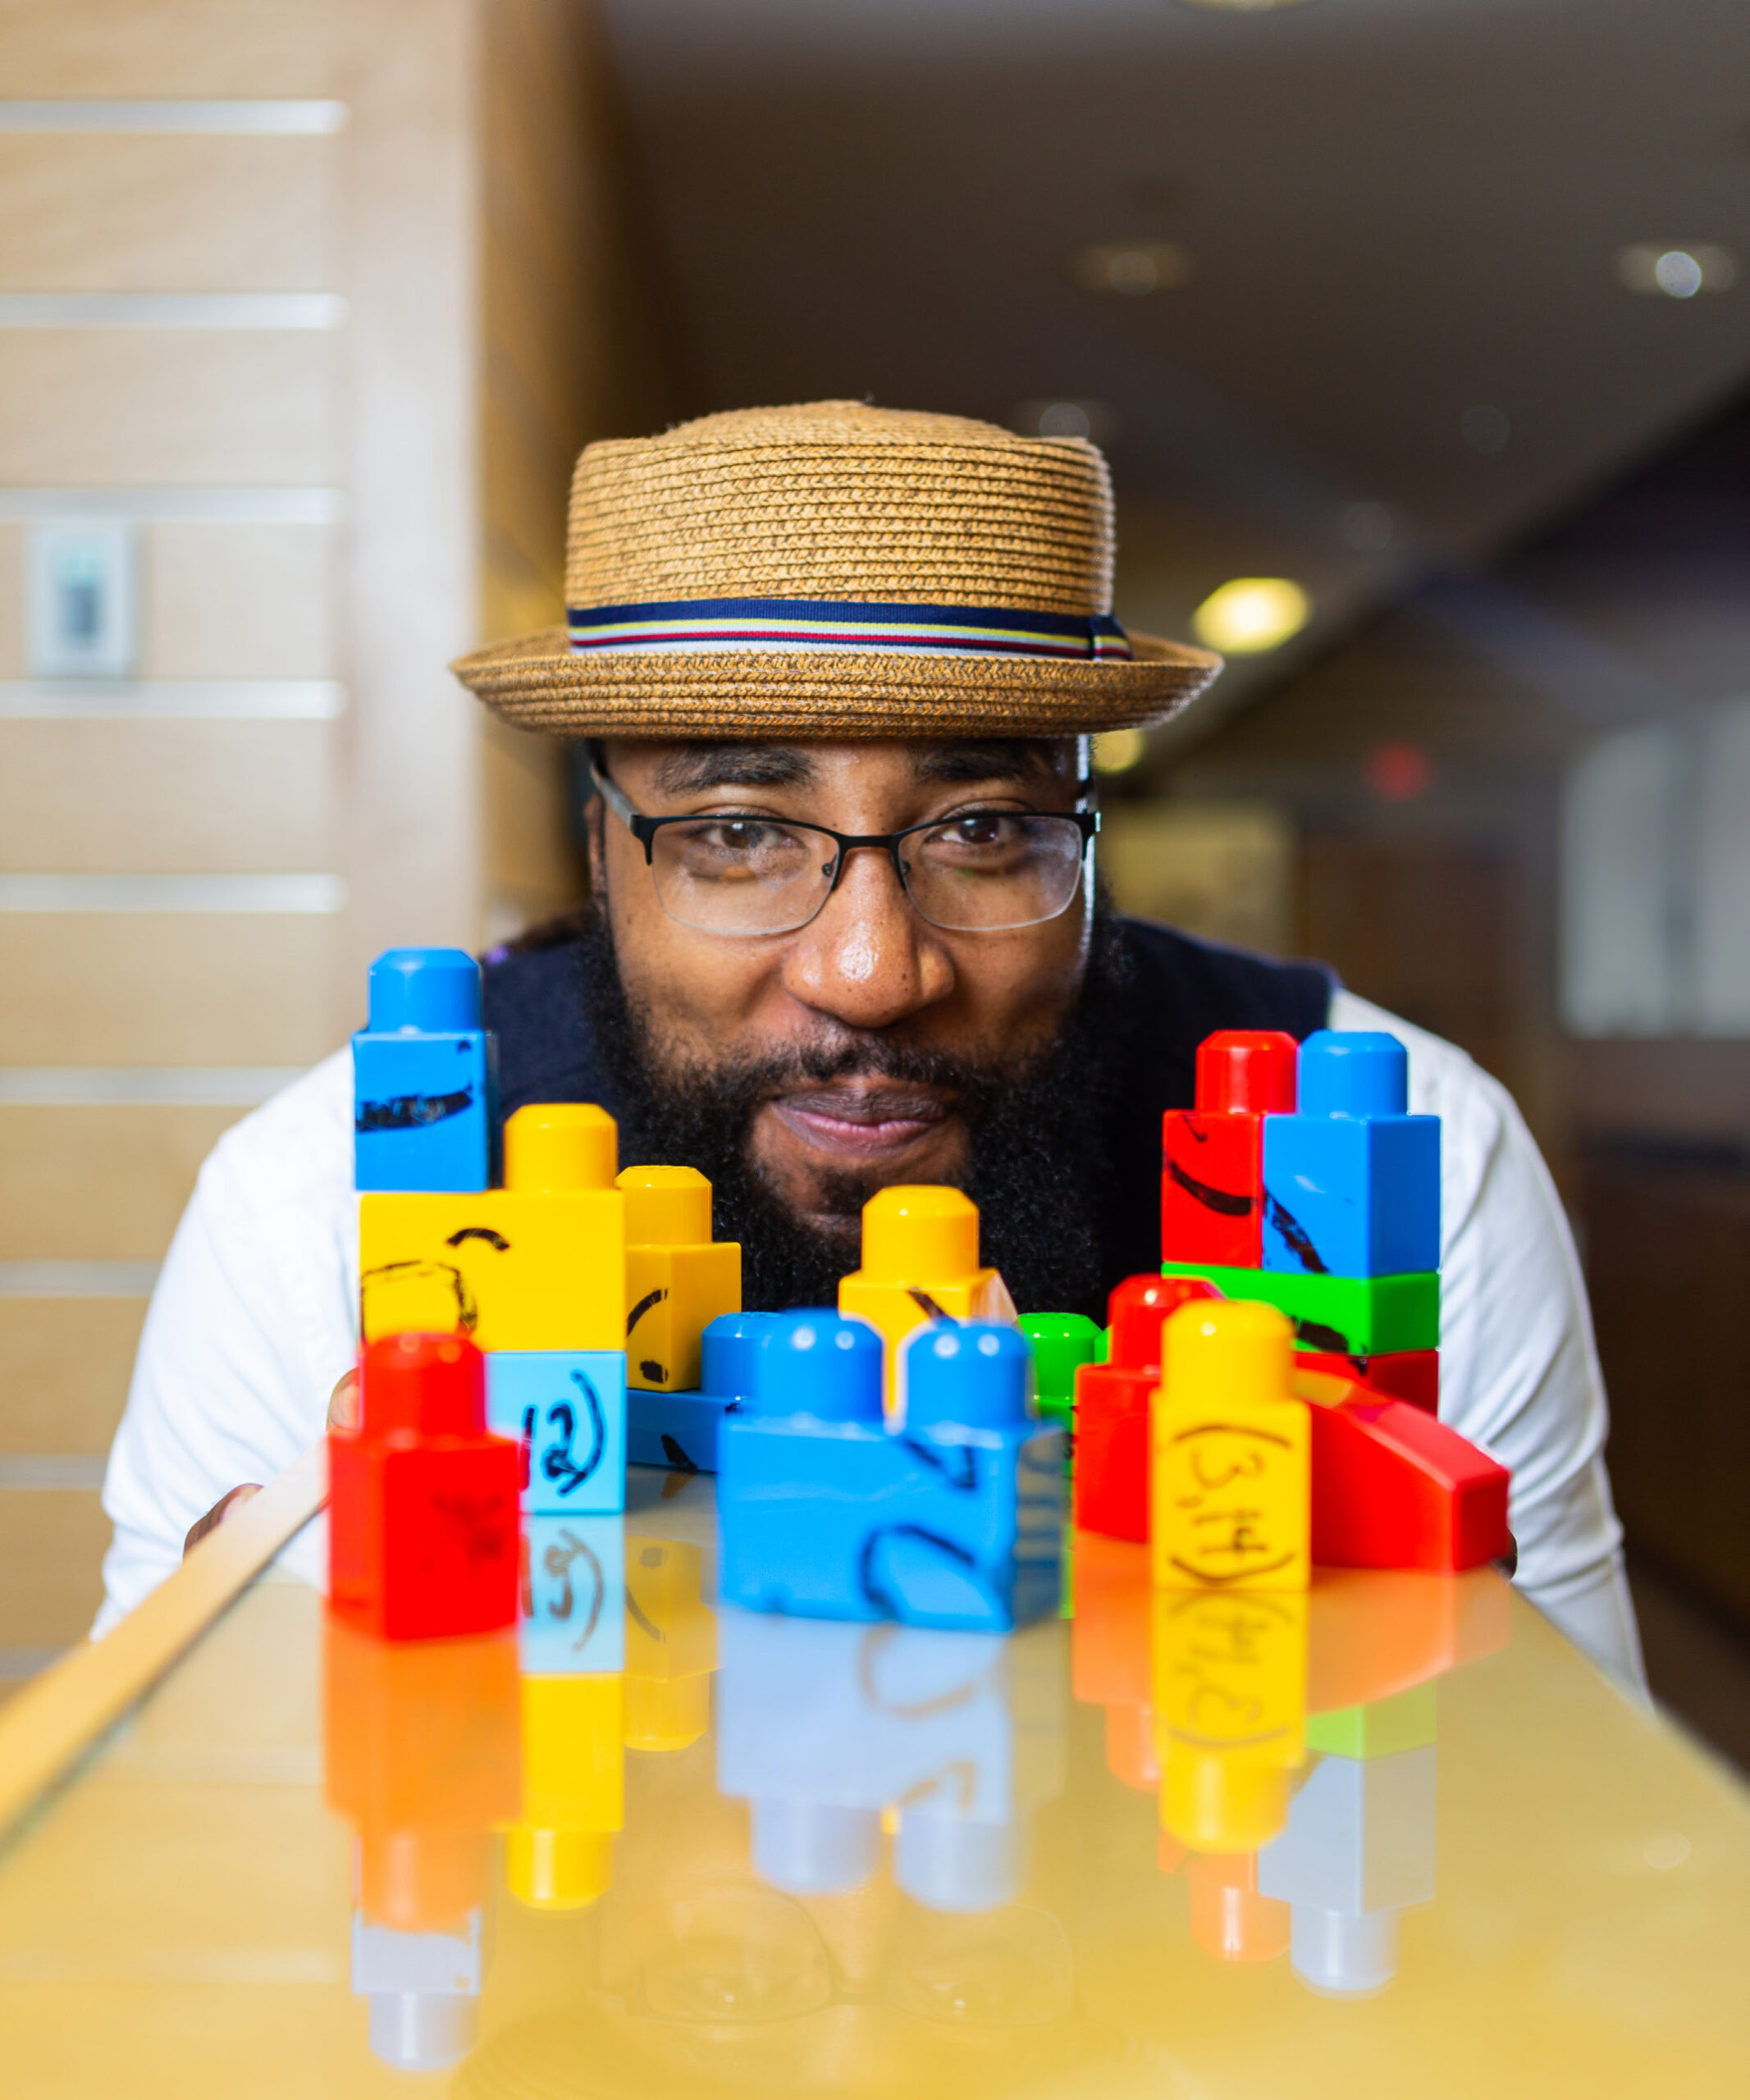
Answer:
(1177, 991)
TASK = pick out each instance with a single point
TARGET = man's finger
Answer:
(343, 1403)
(217, 1515)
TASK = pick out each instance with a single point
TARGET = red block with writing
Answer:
(1394, 1488)
(1112, 1406)
(422, 1503)
(1403, 1374)
(1212, 1179)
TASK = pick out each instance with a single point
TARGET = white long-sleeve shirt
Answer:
(255, 1318)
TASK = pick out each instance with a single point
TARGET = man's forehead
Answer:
(686, 768)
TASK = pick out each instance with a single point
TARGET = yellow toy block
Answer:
(558, 1855)
(1229, 1680)
(1230, 1452)
(677, 1278)
(671, 1645)
(920, 1259)
(539, 1264)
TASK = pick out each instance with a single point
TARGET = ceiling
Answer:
(1403, 219)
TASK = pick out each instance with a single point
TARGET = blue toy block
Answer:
(1352, 1182)
(1359, 1849)
(568, 1407)
(954, 1520)
(573, 1619)
(821, 1726)
(425, 1077)
(680, 1429)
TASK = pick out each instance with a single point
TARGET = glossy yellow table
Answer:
(864, 1860)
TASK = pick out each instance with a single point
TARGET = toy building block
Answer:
(919, 1260)
(1211, 1184)
(423, 1990)
(671, 1645)
(423, 1502)
(1230, 1675)
(567, 1408)
(558, 1854)
(1113, 1400)
(1109, 1647)
(1061, 1343)
(1229, 1477)
(955, 1521)
(1352, 1181)
(1394, 1488)
(680, 1429)
(1347, 1316)
(1381, 1728)
(1374, 1634)
(539, 1264)
(823, 1728)
(573, 1596)
(425, 1076)
(1230, 1918)
(678, 1279)
(1358, 1850)
(1407, 1374)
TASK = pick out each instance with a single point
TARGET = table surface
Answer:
(1558, 1885)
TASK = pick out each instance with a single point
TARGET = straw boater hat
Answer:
(836, 570)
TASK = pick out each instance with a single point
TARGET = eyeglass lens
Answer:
(983, 873)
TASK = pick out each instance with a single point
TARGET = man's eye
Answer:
(982, 831)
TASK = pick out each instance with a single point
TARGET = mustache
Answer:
(755, 1077)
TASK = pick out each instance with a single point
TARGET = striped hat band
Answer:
(699, 626)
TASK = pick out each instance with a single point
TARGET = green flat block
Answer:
(1381, 1729)
(1354, 1315)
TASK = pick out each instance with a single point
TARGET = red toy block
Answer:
(422, 1503)
(1112, 1407)
(1402, 1374)
(1211, 1182)
(1393, 1488)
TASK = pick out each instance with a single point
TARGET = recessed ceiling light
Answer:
(1132, 267)
(1702, 266)
(1117, 751)
(1252, 614)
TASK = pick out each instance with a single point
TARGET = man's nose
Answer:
(868, 960)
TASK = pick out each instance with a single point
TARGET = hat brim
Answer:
(536, 683)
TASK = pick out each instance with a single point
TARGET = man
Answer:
(838, 667)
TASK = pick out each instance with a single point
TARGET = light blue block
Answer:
(680, 1430)
(574, 1602)
(425, 1077)
(568, 1408)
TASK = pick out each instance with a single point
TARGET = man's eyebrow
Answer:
(690, 768)
(995, 758)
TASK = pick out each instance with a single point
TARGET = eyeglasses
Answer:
(985, 871)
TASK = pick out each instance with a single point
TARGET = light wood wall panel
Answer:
(64, 1369)
(152, 988)
(239, 601)
(104, 1185)
(175, 50)
(52, 1547)
(100, 796)
(154, 407)
(165, 213)
(11, 601)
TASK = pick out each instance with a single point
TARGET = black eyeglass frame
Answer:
(644, 829)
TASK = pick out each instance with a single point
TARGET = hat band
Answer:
(686, 625)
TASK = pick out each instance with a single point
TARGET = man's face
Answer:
(867, 977)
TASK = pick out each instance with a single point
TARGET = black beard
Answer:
(1039, 1150)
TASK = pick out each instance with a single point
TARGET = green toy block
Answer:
(1061, 1343)
(1380, 1729)
(1349, 1315)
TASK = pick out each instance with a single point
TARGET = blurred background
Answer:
(1418, 333)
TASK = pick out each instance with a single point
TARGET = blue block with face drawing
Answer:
(953, 1520)
(568, 1408)
(425, 1077)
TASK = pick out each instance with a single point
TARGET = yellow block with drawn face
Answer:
(677, 1278)
(920, 1259)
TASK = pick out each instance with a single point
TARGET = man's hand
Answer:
(343, 1413)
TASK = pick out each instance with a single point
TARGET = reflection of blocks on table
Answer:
(1407, 1720)
(954, 1521)
(1114, 1401)
(823, 1727)
(678, 1279)
(681, 1429)
(567, 1408)
(1347, 1316)
(671, 1645)
(1376, 1633)
(1061, 1343)
(573, 1595)
(558, 1854)
(423, 1988)
(1230, 1917)
(1211, 1184)
(422, 1503)
(425, 1076)
(1109, 1644)
(1352, 1181)
(539, 1264)
(919, 1258)
(1359, 1849)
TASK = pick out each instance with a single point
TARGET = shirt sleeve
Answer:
(253, 1320)
(1518, 1368)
